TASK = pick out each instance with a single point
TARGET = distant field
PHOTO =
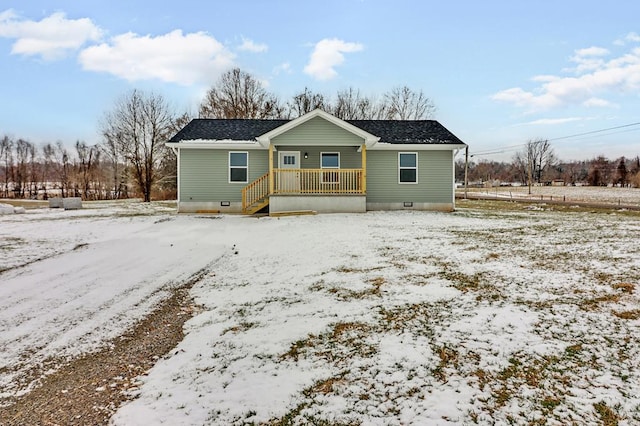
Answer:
(594, 194)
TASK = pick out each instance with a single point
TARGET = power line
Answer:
(595, 131)
(592, 132)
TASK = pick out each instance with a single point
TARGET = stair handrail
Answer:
(255, 191)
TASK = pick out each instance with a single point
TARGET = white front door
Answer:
(289, 180)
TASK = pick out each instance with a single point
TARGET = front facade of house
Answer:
(315, 162)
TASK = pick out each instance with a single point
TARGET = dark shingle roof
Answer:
(389, 131)
(408, 131)
(220, 129)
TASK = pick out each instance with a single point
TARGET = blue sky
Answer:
(499, 72)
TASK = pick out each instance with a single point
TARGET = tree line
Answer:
(537, 163)
(132, 160)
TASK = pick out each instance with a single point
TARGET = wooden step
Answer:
(293, 213)
(256, 207)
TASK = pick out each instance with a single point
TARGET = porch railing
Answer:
(255, 191)
(318, 181)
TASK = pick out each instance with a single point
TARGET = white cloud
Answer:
(553, 121)
(595, 78)
(250, 46)
(282, 68)
(592, 51)
(631, 37)
(50, 38)
(597, 102)
(588, 59)
(327, 54)
(174, 57)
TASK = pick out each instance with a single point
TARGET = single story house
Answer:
(315, 162)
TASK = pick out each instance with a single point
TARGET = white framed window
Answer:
(407, 167)
(238, 167)
(330, 160)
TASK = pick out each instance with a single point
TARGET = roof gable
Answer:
(317, 113)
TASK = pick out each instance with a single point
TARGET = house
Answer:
(314, 162)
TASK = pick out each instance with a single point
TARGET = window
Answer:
(289, 160)
(408, 167)
(238, 167)
(330, 160)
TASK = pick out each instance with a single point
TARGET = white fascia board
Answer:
(214, 144)
(382, 146)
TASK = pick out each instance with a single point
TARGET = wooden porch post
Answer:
(270, 168)
(364, 168)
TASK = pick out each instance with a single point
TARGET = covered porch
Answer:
(292, 181)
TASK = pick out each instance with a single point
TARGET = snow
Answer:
(380, 318)
(6, 209)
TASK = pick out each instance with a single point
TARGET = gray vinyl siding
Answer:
(350, 158)
(435, 178)
(317, 131)
(204, 174)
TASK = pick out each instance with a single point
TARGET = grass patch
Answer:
(325, 386)
(627, 315)
(345, 340)
(573, 350)
(625, 287)
(607, 415)
(297, 348)
(243, 326)
(595, 302)
(347, 294)
(448, 359)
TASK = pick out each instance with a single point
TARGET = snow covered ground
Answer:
(513, 316)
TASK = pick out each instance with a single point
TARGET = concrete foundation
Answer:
(318, 203)
(209, 206)
(441, 207)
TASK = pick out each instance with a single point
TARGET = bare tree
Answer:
(535, 160)
(64, 167)
(21, 175)
(48, 156)
(238, 94)
(306, 101)
(138, 125)
(6, 156)
(88, 159)
(350, 104)
(402, 103)
(34, 166)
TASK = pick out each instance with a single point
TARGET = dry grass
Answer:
(625, 287)
(608, 417)
(627, 315)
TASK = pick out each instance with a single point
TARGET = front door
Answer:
(289, 180)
